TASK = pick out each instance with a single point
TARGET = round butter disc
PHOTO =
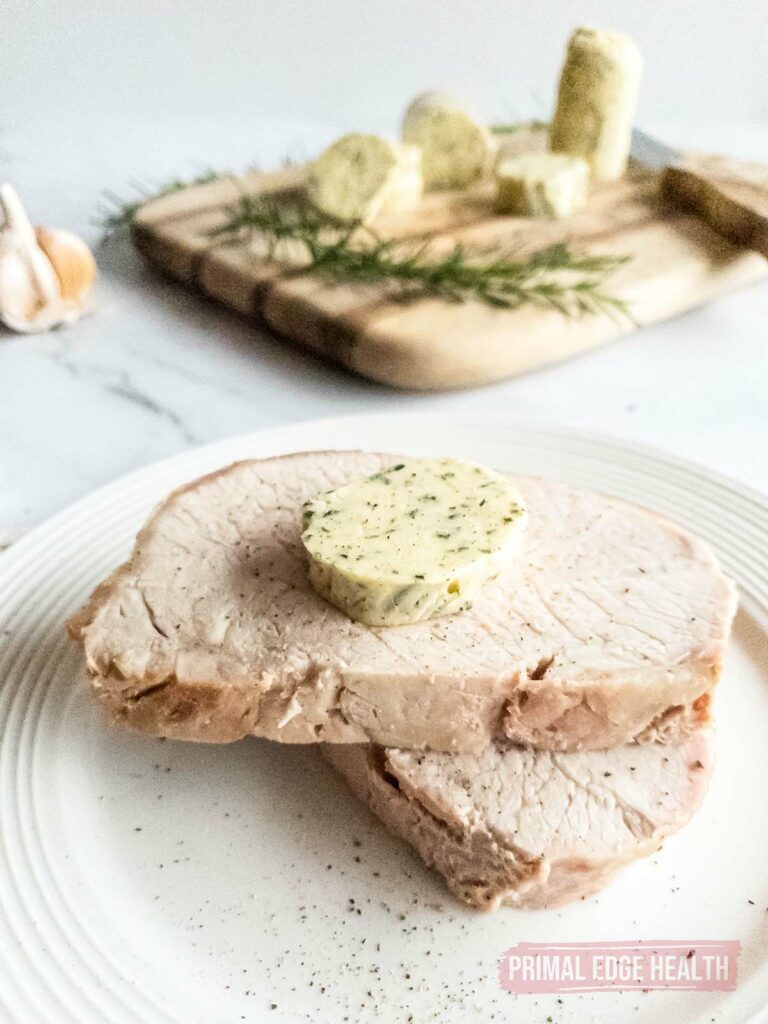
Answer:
(361, 176)
(456, 148)
(541, 185)
(415, 540)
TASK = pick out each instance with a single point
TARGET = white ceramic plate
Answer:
(158, 882)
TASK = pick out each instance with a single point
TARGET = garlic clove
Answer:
(72, 262)
(21, 308)
(45, 275)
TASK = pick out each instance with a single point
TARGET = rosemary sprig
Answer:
(116, 214)
(555, 277)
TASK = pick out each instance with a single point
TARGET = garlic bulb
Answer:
(45, 273)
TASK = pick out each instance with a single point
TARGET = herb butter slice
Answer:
(541, 185)
(417, 539)
(359, 177)
(456, 148)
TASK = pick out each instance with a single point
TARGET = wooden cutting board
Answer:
(677, 262)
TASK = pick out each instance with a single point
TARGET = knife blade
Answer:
(731, 196)
(651, 152)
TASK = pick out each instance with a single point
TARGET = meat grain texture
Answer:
(607, 627)
(529, 828)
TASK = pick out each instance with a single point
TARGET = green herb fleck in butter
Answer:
(415, 540)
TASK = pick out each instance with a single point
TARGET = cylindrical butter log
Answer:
(361, 176)
(541, 184)
(456, 148)
(596, 101)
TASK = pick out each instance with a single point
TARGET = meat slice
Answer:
(529, 828)
(609, 625)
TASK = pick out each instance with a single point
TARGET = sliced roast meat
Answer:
(607, 626)
(530, 828)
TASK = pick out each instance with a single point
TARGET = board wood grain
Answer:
(676, 262)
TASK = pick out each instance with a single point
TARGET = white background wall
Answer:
(358, 61)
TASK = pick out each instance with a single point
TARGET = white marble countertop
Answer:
(154, 371)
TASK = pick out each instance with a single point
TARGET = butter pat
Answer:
(541, 185)
(596, 101)
(361, 176)
(415, 540)
(456, 149)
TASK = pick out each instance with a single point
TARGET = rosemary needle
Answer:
(116, 214)
(555, 277)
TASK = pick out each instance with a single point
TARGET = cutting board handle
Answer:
(730, 195)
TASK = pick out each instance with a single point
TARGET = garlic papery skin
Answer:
(45, 274)
(72, 261)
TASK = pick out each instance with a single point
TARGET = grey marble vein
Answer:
(117, 381)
